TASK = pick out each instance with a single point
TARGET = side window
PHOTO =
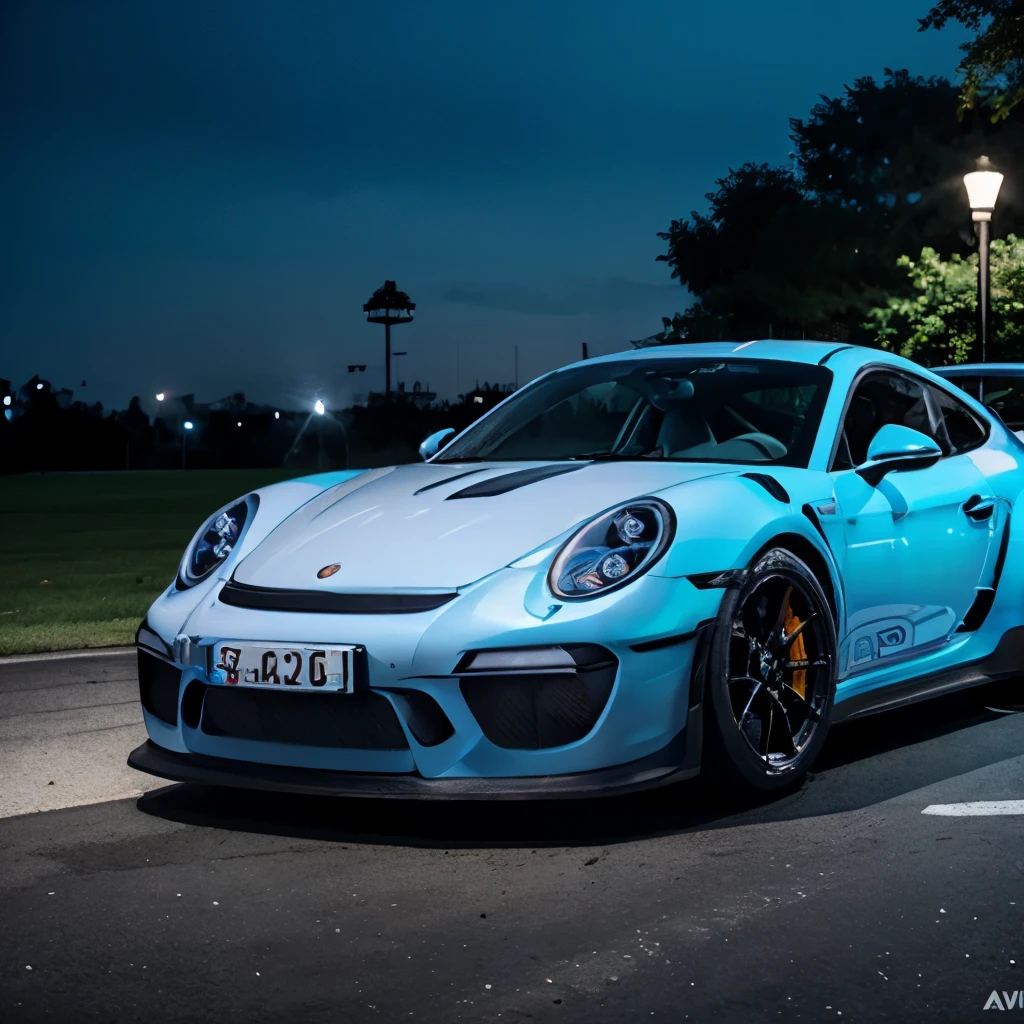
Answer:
(880, 399)
(963, 429)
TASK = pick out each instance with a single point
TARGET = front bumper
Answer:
(413, 664)
(676, 762)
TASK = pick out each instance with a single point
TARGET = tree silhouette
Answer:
(808, 250)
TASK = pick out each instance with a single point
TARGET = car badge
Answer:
(327, 570)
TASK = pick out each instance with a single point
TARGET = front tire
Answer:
(771, 676)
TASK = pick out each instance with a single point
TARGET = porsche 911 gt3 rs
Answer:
(638, 567)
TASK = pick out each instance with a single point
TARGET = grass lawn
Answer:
(83, 555)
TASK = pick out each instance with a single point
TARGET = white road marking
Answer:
(99, 652)
(976, 808)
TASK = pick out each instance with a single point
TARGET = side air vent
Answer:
(770, 484)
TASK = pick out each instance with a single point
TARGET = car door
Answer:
(913, 548)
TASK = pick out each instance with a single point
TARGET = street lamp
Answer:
(187, 425)
(982, 189)
(318, 408)
(390, 307)
(159, 396)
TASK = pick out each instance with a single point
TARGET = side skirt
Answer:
(1005, 661)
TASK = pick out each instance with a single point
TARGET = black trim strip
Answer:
(828, 355)
(241, 595)
(450, 479)
(513, 481)
(714, 580)
(770, 484)
(670, 641)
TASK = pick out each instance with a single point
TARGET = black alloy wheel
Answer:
(771, 675)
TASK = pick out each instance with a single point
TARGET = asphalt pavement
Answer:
(843, 901)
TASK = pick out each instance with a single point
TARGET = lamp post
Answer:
(319, 408)
(388, 306)
(395, 356)
(186, 427)
(982, 190)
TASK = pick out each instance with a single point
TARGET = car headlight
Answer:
(613, 549)
(215, 542)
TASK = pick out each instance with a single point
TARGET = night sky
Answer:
(198, 196)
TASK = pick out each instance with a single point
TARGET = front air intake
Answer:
(159, 683)
(545, 697)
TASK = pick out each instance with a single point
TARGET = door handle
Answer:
(978, 508)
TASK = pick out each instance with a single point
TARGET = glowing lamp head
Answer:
(983, 186)
(159, 395)
(318, 408)
(7, 399)
(188, 424)
(277, 415)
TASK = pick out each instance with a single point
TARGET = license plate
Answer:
(311, 668)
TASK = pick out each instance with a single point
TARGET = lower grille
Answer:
(534, 711)
(358, 721)
(158, 687)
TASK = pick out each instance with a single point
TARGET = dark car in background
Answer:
(1000, 386)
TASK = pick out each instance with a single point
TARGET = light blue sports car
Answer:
(636, 568)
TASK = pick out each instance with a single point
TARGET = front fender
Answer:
(724, 521)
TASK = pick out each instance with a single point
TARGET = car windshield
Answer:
(687, 410)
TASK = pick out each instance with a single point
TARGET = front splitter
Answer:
(675, 762)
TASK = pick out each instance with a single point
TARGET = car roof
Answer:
(795, 351)
(980, 370)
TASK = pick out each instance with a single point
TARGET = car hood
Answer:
(441, 526)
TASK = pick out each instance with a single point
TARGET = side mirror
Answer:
(435, 443)
(897, 448)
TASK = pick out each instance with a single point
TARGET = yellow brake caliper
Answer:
(797, 652)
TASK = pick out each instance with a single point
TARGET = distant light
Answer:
(159, 397)
(7, 399)
(478, 399)
(39, 387)
(188, 424)
(239, 422)
(319, 408)
(277, 415)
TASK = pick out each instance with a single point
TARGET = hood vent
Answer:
(513, 481)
